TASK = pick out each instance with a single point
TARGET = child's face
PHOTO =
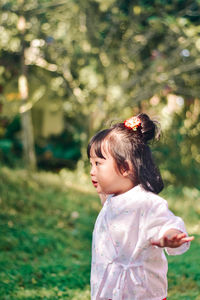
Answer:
(106, 177)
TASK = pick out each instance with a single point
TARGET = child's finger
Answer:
(174, 238)
(185, 238)
(180, 236)
(175, 241)
(188, 239)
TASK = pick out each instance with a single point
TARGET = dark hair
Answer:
(126, 144)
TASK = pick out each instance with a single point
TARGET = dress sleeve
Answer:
(160, 219)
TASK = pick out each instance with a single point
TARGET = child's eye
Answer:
(97, 163)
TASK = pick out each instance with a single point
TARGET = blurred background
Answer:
(69, 68)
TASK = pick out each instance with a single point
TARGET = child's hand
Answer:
(173, 238)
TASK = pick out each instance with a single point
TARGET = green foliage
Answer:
(103, 56)
(53, 153)
(178, 151)
(57, 152)
(46, 228)
(100, 61)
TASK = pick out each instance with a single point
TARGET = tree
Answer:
(104, 58)
(21, 31)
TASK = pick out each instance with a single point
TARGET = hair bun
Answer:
(149, 128)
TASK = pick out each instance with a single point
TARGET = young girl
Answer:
(135, 224)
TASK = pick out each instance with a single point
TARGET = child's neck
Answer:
(127, 185)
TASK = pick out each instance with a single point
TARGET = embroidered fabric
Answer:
(135, 271)
(124, 264)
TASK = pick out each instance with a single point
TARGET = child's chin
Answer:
(100, 191)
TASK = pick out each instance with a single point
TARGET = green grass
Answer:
(46, 223)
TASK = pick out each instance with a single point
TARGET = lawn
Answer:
(46, 227)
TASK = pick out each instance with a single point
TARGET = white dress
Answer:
(125, 266)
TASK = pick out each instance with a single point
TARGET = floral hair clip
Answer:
(132, 123)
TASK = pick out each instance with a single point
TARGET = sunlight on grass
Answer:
(193, 295)
(79, 294)
(41, 292)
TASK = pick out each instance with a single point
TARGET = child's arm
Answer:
(172, 238)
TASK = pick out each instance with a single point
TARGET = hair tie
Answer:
(132, 123)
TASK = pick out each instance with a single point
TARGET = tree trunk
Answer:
(25, 110)
(28, 140)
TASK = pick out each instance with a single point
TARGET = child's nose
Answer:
(92, 171)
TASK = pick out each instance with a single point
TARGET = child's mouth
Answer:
(94, 183)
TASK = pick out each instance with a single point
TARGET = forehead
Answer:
(100, 150)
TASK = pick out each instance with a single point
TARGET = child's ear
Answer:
(127, 168)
